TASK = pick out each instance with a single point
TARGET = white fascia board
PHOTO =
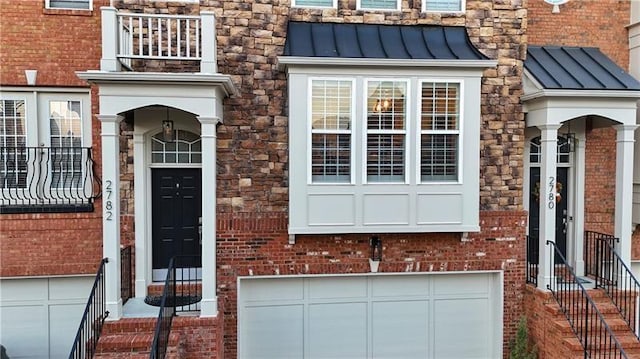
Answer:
(602, 94)
(382, 229)
(285, 61)
(41, 89)
(160, 78)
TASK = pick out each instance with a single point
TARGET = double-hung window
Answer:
(392, 5)
(443, 5)
(45, 154)
(439, 131)
(331, 130)
(386, 131)
(315, 3)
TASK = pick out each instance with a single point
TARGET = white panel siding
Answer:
(331, 209)
(385, 209)
(448, 208)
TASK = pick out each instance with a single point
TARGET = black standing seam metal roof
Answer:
(338, 40)
(576, 68)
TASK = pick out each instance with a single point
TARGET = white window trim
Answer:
(463, 7)
(334, 5)
(407, 130)
(397, 8)
(460, 131)
(309, 129)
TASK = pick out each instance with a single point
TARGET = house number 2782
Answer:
(108, 204)
(551, 197)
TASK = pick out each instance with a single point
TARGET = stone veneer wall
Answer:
(253, 153)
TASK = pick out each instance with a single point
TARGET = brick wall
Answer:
(257, 244)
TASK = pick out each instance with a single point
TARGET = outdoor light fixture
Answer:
(376, 253)
(167, 130)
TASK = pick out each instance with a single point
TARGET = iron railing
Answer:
(95, 313)
(182, 292)
(126, 286)
(532, 260)
(47, 179)
(614, 276)
(586, 321)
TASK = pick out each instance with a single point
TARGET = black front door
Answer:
(561, 211)
(176, 209)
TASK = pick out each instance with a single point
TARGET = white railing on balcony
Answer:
(131, 36)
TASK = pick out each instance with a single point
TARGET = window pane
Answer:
(331, 105)
(330, 158)
(439, 157)
(440, 106)
(65, 125)
(379, 4)
(385, 158)
(314, 3)
(13, 154)
(185, 149)
(69, 4)
(443, 5)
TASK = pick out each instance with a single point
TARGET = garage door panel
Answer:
(63, 324)
(69, 288)
(262, 340)
(385, 286)
(461, 284)
(399, 329)
(338, 330)
(332, 288)
(33, 289)
(22, 331)
(262, 290)
(462, 321)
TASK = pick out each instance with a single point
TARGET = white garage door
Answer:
(452, 315)
(39, 317)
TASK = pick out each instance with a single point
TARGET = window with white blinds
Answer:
(13, 140)
(386, 131)
(331, 126)
(443, 5)
(439, 131)
(379, 4)
(315, 3)
(69, 4)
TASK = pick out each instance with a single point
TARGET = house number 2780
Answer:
(108, 204)
(551, 197)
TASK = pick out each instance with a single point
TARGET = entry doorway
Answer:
(176, 202)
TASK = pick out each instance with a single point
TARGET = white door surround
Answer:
(120, 92)
(548, 110)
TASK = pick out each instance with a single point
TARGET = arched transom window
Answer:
(185, 148)
(564, 150)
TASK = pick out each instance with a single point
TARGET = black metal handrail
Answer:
(592, 251)
(586, 321)
(532, 260)
(182, 292)
(95, 313)
(126, 286)
(615, 277)
(51, 179)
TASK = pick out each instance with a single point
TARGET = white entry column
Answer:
(208, 128)
(624, 190)
(547, 200)
(111, 211)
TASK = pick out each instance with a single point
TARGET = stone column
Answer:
(111, 211)
(208, 125)
(624, 190)
(547, 200)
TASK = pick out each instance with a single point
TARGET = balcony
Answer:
(158, 43)
(47, 179)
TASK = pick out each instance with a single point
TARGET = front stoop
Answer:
(133, 337)
(554, 336)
